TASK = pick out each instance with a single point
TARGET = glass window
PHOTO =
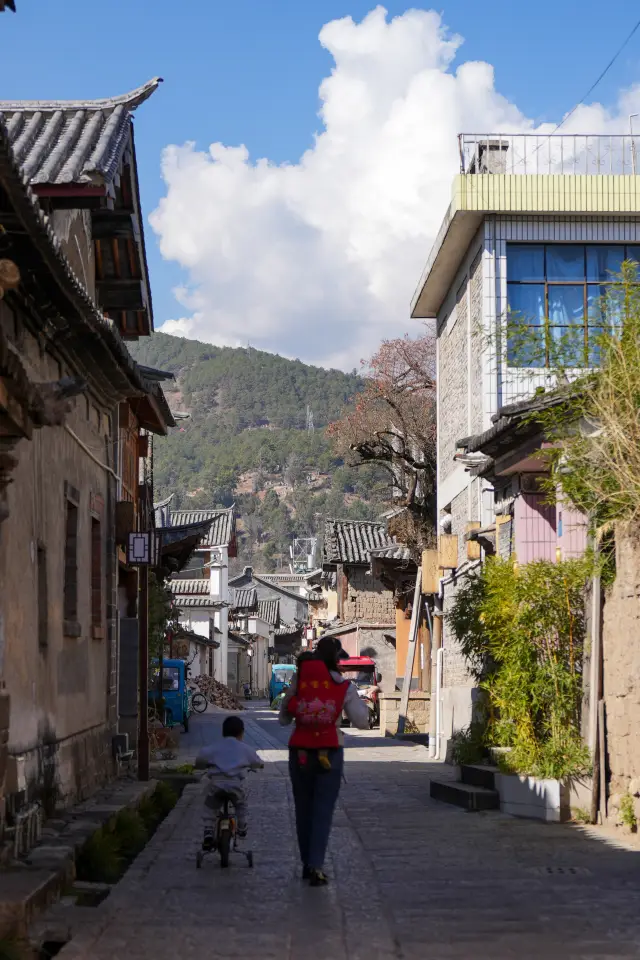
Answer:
(604, 261)
(565, 261)
(525, 262)
(526, 302)
(567, 346)
(566, 304)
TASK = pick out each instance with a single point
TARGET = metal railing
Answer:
(560, 153)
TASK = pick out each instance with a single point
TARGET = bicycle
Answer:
(199, 702)
(225, 836)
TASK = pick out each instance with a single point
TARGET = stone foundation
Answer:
(419, 712)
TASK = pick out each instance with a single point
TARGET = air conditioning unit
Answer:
(15, 777)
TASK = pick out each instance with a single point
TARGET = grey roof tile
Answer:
(246, 599)
(72, 141)
(190, 601)
(221, 531)
(269, 611)
(198, 587)
(351, 541)
(395, 551)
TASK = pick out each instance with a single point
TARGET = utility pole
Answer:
(143, 671)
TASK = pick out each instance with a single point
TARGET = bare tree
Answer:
(393, 422)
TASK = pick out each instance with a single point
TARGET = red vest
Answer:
(316, 706)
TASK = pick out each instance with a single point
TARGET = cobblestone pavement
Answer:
(412, 878)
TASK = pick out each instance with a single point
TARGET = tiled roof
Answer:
(246, 599)
(72, 141)
(191, 587)
(190, 601)
(222, 526)
(269, 611)
(112, 366)
(351, 541)
(288, 629)
(395, 551)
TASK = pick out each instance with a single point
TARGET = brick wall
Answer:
(366, 598)
(478, 345)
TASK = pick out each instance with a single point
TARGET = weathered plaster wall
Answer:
(61, 686)
(621, 665)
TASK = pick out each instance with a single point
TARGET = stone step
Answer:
(479, 775)
(464, 795)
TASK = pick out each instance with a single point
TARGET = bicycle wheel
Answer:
(199, 703)
(224, 846)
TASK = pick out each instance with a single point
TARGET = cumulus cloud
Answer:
(318, 259)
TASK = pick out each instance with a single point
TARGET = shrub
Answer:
(100, 860)
(164, 798)
(468, 745)
(131, 833)
(149, 814)
(522, 631)
(627, 812)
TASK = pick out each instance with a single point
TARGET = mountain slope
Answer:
(247, 441)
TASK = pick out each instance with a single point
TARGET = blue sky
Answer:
(248, 72)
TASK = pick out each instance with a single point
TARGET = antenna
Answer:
(309, 419)
(302, 553)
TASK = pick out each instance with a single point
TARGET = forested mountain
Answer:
(247, 440)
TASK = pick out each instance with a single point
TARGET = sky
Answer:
(296, 162)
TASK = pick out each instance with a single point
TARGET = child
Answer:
(227, 762)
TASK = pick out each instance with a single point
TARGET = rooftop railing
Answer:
(560, 153)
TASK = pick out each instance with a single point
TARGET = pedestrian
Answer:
(316, 699)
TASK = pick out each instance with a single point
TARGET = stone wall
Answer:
(367, 598)
(418, 712)
(621, 665)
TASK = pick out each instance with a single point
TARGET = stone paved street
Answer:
(412, 878)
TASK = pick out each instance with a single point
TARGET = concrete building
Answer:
(535, 227)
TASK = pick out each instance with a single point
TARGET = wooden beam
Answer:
(112, 224)
(448, 551)
(411, 653)
(474, 551)
(121, 294)
(430, 571)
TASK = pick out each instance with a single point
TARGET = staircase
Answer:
(475, 790)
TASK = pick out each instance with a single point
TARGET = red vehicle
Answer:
(362, 671)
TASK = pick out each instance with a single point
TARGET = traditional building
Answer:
(535, 229)
(366, 612)
(64, 371)
(201, 589)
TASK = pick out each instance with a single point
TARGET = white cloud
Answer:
(319, 259)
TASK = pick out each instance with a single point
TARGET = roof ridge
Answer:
(130, 100)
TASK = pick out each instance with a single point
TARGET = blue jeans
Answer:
(315, 792)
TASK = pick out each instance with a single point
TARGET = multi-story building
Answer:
(536, 229)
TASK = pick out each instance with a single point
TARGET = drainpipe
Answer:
(437, 659)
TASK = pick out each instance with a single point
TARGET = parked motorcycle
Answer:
(373, 707)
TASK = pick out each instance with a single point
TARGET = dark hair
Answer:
(329, 650)
(232, 727)
(305, 655)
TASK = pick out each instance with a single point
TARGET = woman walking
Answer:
(316, 699)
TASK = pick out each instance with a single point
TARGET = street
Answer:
(411, 878)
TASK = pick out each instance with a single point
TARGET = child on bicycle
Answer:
(227, 762)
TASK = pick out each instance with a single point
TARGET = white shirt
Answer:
(229, 757)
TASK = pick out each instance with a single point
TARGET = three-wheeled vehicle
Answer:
(281, 677)
(362, 671)
(175, 691)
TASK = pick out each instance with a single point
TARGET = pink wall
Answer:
(535, 528)
(572, 531)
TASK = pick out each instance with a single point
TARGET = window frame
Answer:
(70, 570)
(585, 283)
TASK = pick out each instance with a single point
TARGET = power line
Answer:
(601, 77)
